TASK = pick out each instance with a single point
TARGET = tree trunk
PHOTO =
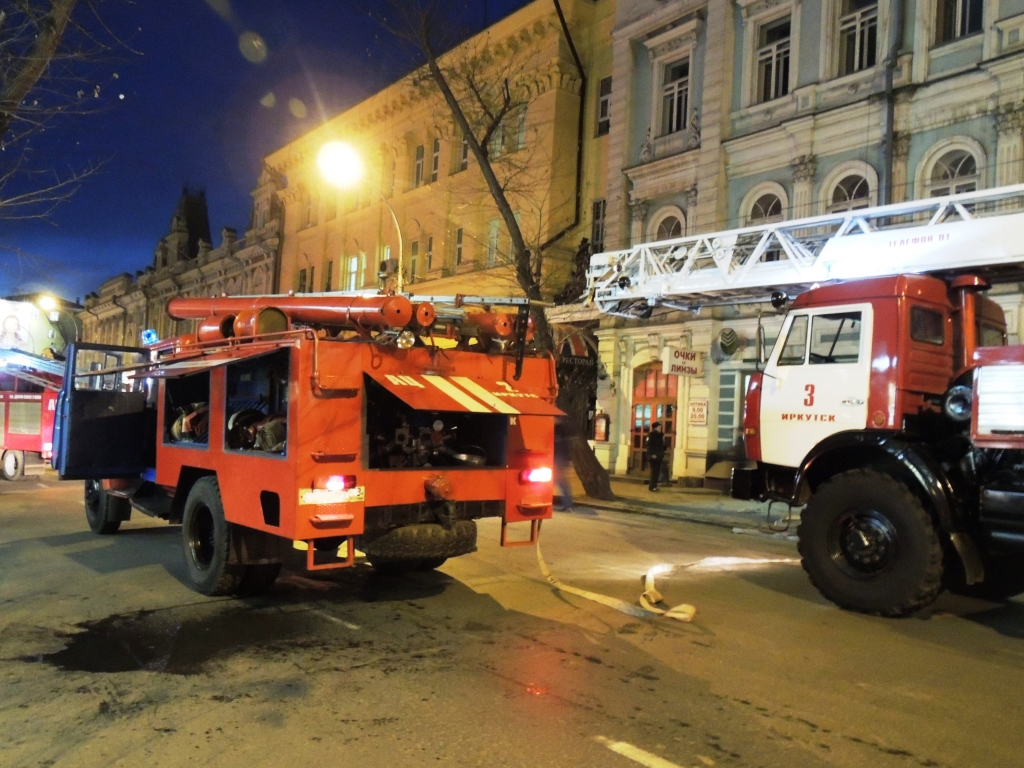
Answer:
(589, 470)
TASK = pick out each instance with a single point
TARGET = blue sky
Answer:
(191, 114)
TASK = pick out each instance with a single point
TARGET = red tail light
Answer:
(752, 417)
(536, 475)
(335, 483)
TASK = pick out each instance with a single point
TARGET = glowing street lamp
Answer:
(47, 303)
(342, 167)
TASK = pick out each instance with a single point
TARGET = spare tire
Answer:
(423, 541)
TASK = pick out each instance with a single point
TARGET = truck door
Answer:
(106, 423)
(816, 381)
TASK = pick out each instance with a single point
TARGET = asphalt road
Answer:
(107, 659)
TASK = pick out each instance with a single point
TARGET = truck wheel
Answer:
(206, 538)
(869, 545)
(259, 578)
(12, 464)
(103, 511)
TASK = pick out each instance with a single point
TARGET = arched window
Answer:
(670, 228)
(954, 172)
(766, 209)
(852, 192)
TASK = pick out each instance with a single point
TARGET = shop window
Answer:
(655, 397)
(732, 387)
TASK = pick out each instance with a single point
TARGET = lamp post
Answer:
(343, 168)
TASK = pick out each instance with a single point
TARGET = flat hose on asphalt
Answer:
(648, 608)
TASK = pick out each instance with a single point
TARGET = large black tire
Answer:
(12, 465)
(206, 540)
(422, 541)
(259, 578)
(104, 512)
(869, 545)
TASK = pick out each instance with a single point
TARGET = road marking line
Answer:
(336, 620)
(457, 394)
(636, 754)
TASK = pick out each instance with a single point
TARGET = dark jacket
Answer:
(655, 443)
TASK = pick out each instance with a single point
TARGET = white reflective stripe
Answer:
(457, 394)
(495, 402)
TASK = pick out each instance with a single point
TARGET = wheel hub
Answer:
(10, 463)
(202, 538)
(863, 542)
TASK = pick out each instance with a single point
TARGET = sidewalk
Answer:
(697, 505)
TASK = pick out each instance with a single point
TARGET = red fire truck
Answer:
(889, 405)
(335, 420)
(29, 382)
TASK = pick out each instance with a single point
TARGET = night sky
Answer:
(192, 114)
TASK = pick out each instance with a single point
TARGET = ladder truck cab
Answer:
(889, 405)
(337, 421)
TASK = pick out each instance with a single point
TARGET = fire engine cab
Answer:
(889, 404)
(340, 421)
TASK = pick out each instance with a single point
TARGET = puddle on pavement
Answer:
(158, 641)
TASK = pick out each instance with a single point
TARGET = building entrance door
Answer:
(654, 399)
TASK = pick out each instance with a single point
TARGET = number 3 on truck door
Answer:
(809, 400)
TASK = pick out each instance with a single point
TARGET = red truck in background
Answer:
(336, 420)
(31, 343)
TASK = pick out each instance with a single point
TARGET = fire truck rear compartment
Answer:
(401, 437)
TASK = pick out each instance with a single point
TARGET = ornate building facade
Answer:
(731, 112)
(185, 263)
(420, 166)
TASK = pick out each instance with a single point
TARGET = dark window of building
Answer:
(302, 281)
(458, 246)
(858, 35)
(675, 97)
(604, 107)
(957, 18)
(418, 170)
(435, 160)
(773, 60)
(598, 210)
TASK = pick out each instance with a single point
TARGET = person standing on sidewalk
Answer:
(562, 464)
(655, 454)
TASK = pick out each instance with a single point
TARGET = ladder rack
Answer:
(38, 370)
(970, 231)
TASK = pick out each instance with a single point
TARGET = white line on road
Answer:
(635, 754)
(336, 620)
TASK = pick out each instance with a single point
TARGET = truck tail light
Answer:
(752, 417)
(335, 482)
(536, 475)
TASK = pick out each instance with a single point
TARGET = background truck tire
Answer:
(12, 464)
(869, 545)
(206, 540)
(104, 512)
(422, 541)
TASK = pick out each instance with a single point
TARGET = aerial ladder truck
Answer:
(890, 405)
(339, 422)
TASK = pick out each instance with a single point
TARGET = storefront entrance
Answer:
(654, 399)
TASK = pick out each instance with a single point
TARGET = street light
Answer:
(342, 167)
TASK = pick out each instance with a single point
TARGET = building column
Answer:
(1009, 147)
(638, 215)
(691, 211)
(901, 191)
(804, 168)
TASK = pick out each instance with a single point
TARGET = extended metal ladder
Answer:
(971, 231)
